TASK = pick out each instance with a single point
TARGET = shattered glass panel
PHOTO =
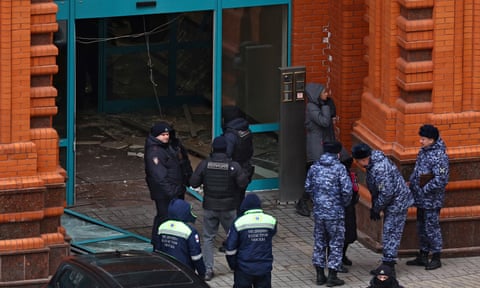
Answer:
(99, 238)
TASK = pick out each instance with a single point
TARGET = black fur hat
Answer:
(361, 151)
(429, 131)
(332, 147)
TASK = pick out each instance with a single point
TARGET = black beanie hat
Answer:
(219, 144)
(361, 151)
(429, 131)
(159, 128)
(332, 147)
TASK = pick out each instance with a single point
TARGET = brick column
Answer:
(421, 70)
(32, 189)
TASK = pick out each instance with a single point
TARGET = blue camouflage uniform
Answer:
(391, 195)
(330, 187)
(432, 162)
(179, 239)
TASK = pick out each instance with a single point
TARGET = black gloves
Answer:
(375, 216)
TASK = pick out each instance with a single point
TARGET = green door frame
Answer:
(71, 10)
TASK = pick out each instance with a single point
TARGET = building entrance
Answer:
(181, 64)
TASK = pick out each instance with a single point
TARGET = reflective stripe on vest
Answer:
(175, 228)
(255, 218)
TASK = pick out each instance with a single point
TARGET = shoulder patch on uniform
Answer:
(197, 239)
(155, 160)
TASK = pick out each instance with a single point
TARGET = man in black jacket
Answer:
(222, 180)
(239, 141)
(166, 169)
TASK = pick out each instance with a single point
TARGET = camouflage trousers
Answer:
(393, 224)
(328, 237)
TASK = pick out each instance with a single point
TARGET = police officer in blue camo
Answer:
(330, 187)
(390, 194)
(428, 182)
(249, 245)
(179, 239)
(222, 181)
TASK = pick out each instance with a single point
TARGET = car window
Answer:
(75, 279)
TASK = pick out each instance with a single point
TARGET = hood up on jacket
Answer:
(313, 91)
(181, 210)
(250, 202)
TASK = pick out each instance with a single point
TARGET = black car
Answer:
(124, 269)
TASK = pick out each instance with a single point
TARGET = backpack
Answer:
(243, 151)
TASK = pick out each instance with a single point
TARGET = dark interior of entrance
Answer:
(134, 71)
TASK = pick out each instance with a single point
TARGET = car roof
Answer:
(140, 268)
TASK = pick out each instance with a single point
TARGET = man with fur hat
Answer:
(167, 169)
(330, 186)
(320, 113)
(390, 195)
(222, 180)
(180, 239)
(249, 245)
(428, 182)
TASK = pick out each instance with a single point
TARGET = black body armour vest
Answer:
(219, 187)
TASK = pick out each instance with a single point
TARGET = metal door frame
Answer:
(71, 10)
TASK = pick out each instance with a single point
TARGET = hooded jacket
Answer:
(242, 155)
(432, 162)
(179, 239)
(318, 121)
(389, 190)
(248, 247)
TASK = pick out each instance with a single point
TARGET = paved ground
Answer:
(292, 248)
(110, 187)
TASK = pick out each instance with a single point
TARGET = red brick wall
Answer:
(32, 189)
(339, 63)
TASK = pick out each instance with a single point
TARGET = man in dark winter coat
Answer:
(167, 169)
(222, 181)
(390, 194)
(249, 245)
(179, 239)
(428, 182)
(320, 113)
(330, 187)
(239, 141)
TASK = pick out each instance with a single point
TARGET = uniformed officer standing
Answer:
(249, 245)
(179, 239)
(167, 169)
(330, 187)
(428, 182)
(390, 194)
(222, 180)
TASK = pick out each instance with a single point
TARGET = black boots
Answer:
(321, 279)
(420, 260)
(332, 279)
(302, 207)
(434, 263)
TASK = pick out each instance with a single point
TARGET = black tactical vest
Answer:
(218, 186)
